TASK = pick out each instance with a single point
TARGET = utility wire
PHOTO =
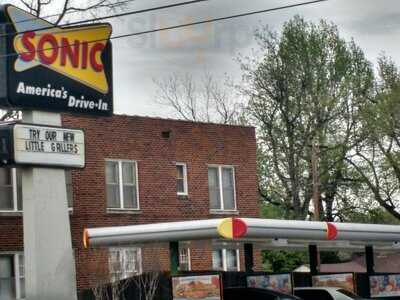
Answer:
(121, 3)
(109, 17)
(173, 27)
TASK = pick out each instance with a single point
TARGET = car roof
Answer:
(263, 290)
(251, 288)
(269, 291)
(327, 288)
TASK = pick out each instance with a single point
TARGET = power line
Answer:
(174, 27)
(74, 12)
(111, 16)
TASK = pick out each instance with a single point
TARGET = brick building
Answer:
(143, 170)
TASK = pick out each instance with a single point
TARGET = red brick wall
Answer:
(140, 139)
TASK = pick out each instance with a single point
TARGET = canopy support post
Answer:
(174, 257)
(369, 259)
(248, 258)
(314, 259)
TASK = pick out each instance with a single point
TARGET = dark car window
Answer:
(234, 294)
(261, 295)
(313, 294)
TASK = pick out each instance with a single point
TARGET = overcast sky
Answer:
(374, 25)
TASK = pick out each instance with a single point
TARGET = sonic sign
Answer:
(54, 68)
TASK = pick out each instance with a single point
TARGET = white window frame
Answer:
(123, 250)
(224, 261)
(14, 193)
(16, 262)
(121, 185)
(185, 180)
(18, 275)
(221, 193)
(189, 263)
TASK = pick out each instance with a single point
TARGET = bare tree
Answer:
(118, 287)
(99, 280)
(147, 284)
(63, 8)
(204, 100)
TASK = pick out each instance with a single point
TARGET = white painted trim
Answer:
(14, 188)
(224, 264)
(189, 260)
(137, 186)
(234, 187)
(238, 259)
(121, 186)
(18, 277)
(221, 194)
(140, 260)
(185, 180)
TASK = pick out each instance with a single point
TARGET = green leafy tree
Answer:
(304, 90)
(376, 158)
(283, 261)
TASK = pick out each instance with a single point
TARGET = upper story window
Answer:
(221, 187)
(122, 187)
(181, 179)
(226, 260)
(10, 190)
(124, 262)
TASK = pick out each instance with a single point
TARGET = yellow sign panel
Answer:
(74, 52)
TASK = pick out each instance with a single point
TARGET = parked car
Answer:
(325, 293)
(243, 293)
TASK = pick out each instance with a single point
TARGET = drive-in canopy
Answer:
(265, 233)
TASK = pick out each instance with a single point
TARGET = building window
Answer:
(12, 276)
(122, 187)
(226, 259)
(221, 187)
(124, 262)
(181, 179)
(184, 259)
(10, 190)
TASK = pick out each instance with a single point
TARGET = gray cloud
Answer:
(137, 60)
(385, 24)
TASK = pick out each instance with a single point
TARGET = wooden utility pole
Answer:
(315, 179)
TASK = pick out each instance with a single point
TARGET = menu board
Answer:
(278, 282)
(204, 287)
(344, 281)
(384, 285)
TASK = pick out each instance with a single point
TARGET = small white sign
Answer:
(49, 146)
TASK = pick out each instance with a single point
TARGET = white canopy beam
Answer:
(341, 235)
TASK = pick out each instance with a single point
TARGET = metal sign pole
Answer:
(49, 260)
